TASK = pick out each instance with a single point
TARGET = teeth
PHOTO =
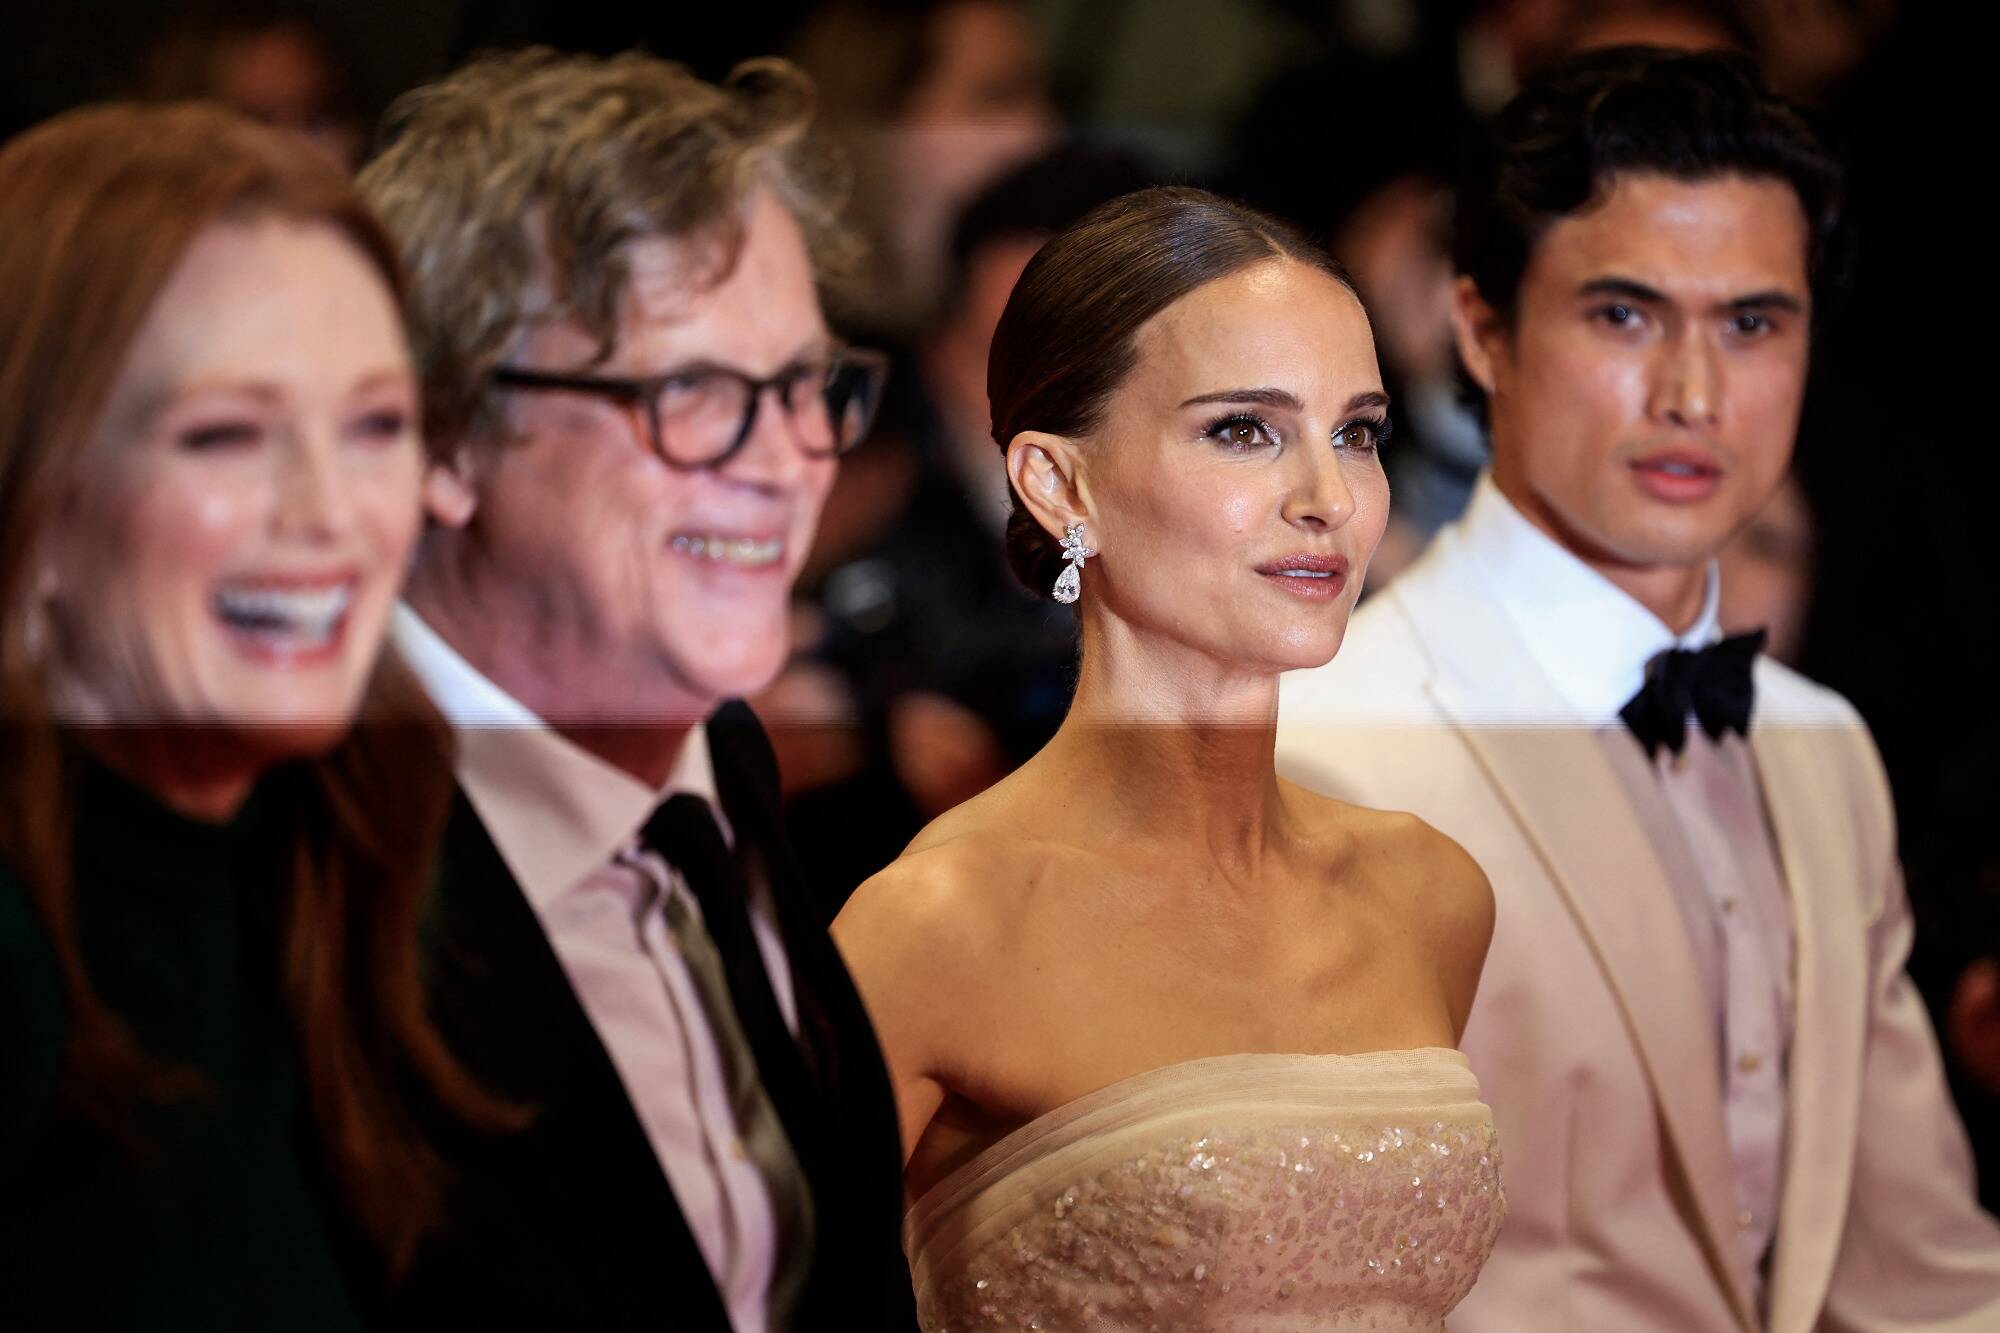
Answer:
(747, 551)
(310, 614)
(1305, 573)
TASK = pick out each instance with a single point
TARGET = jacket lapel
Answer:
(834, 1095)
(1829, 1034)
(1560, 787)
(572, 1215)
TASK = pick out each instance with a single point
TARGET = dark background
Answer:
(1308, 105)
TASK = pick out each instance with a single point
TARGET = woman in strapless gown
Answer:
(1174, 1040)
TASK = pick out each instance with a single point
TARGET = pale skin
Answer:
(1146, 890)
(1670, 318)
(258, 453)
(555, 569)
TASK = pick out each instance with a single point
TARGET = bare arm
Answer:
(1458, 909)
(900, 941)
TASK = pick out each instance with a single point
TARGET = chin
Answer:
(1303, 649)
(735, 670)
(301, 738)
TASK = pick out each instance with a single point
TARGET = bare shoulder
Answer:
(935, 898)
(929, 940)
(1415, 870)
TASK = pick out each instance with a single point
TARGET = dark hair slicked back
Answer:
(1556, 147)
(1065, 340)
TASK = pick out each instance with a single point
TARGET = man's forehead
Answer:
(747, 299)
(1716, 237)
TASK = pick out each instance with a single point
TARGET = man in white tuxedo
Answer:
(1721, 1103)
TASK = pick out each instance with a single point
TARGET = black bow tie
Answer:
(1712, 683)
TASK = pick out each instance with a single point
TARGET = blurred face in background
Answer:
(1234, 489)
(978, 106)
(1645, 394)
(651, 590)
(955, 351)
(250, 498)
(1767, 573)
(283, 74)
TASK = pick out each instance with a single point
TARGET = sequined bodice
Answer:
(1266, 1192)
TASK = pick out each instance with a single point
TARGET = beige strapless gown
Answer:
(1265, 1192)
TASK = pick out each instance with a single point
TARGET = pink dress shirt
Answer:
(567, 825)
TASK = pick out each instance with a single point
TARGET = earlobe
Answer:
(1475, 327)
(449, 497)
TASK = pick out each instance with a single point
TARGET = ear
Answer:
(1478, 330)
(449, 495)
(1043, 470)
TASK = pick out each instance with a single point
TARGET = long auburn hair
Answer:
(98, 207)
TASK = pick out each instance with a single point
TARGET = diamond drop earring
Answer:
(1068, 585)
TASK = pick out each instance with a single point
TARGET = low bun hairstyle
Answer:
(1065, 341)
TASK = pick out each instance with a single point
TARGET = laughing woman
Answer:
(211, 1032)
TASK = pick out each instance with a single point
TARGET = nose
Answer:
(312, 499)
(1319, 498)
(771, 459)
(1687, 382)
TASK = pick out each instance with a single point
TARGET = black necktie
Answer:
(1713, 683)
(765, 1098)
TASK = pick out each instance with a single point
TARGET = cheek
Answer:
(1372, 504)
(580, 497)
(1184, 516)
(1573, 376)
(812, 492)
(1765, 400)
(389, 503)
(177, 534)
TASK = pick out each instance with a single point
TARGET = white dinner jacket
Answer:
(1591, 1035)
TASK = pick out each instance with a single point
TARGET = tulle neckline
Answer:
(1396, 1075)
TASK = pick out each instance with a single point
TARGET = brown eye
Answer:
(1242, 433)
(386, 426)
(221, 435)
(1367, 434)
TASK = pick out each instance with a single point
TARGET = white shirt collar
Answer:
(1588, 635)
(555, 811)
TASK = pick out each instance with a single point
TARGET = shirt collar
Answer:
(555, 811)
(1588, 635)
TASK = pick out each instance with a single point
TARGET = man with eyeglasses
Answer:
(614, 295)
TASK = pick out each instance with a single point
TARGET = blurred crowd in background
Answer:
(977, 128)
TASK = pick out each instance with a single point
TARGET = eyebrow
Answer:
(384, 378)
(1639, 291)
(1265, 397)
(1268, 397)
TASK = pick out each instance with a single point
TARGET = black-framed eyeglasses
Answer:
(702, 415)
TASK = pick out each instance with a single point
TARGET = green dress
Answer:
(225, 1219)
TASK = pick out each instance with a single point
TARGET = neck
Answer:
(1673, 593)
(202, 773)
(552, 674)
(1170, 747)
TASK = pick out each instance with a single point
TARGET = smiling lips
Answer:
(1678, 475)
(1314, 577)
(721, 548)
(287, 621)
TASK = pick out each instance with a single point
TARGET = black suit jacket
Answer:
(571, 1222)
